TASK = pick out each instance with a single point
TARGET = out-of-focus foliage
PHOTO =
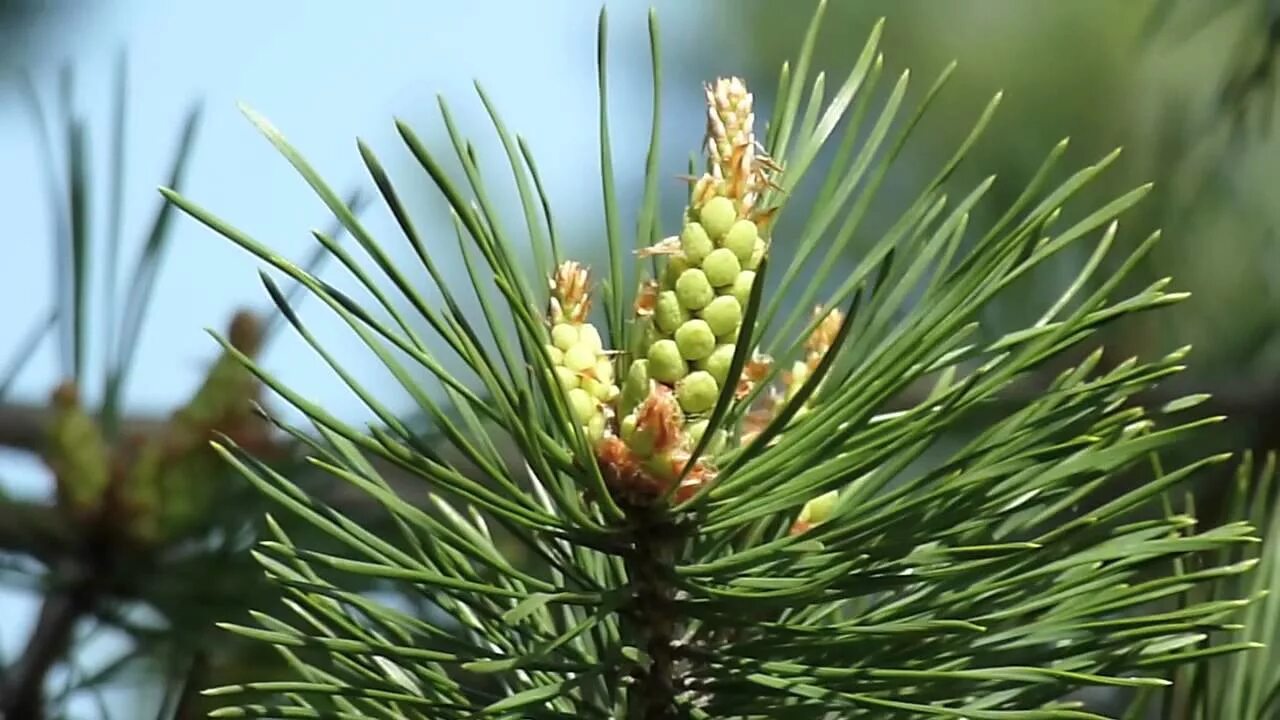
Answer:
(1244, 686)
(1108, 74)
(148, 533)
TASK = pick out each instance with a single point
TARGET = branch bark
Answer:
(35, 530)
(651, 567)
(22, 688)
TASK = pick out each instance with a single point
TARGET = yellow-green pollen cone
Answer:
(696, 305)
(581, 365)
(691, 319)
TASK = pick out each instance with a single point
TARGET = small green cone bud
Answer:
(721, 267)
(658, 465)
(665, 363)
(228, 387)
(636, 388)
(697, 393)
(650, 336)
(667, 313)
(723, 314)
(676, 265)
(641, 443)
(719, 362)
(568, 379)
(604, 370)
(602, 391)
(695, 340)
(695, 243)
(756, 255)
(816, 511)
(741, 239)
(742, 286)
(590, 337)
(695, 432)
(556, 354)
(582, 404)
(564, 335)
(594, 429)
(77, 452)
(717, 216)
(694, 289)
(580, 358)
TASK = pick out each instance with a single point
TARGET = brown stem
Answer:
(22, 688)
(651, 566)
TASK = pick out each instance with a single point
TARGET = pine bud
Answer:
(815, 512)
(76, 452)
(594, 429)
(648, 336)
(640, 443)
(723, 315)
(676, 265)
(657, 424)
(570, 294)
(589, 337)
(717, 216)
(695, 312)
(697, 430)
(665, 362)
(757, 254)
(582, 404)
(719, 362)
(741, 289)
(695, 340)
(636, 387)
(694, 289)
(564, 335)
(741, 240)
(567, 378)
(579, 361)
(695, 243)
(602, 391)
(731, 336)
(667, 313)
(229, 387)
(721, 267)
(697, 392)
(580, 357)
(603, 370)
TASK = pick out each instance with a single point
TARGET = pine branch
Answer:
(880, 570)
(651, 567)
(22, 688)
(35, 529)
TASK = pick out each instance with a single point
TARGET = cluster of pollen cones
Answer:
(645, 423)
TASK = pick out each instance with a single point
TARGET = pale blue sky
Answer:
(324, 73)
